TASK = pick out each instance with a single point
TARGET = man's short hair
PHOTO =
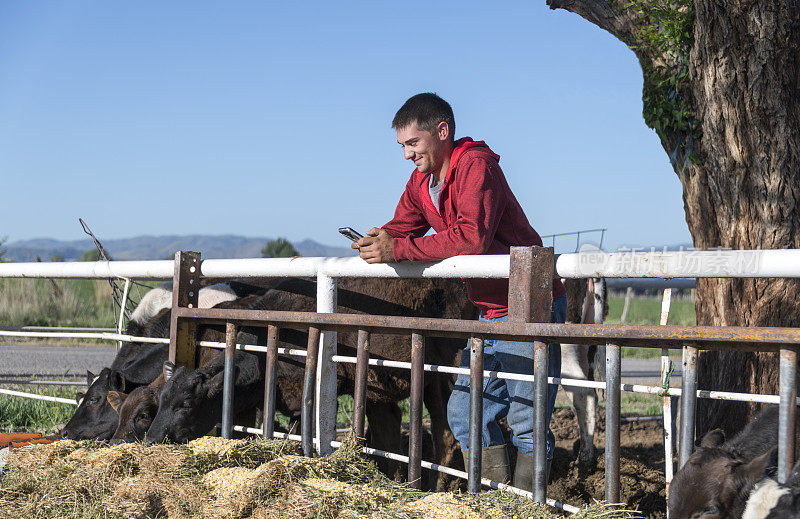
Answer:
(427, 110)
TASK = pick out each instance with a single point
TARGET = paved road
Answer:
(42, 361)
(51, 361)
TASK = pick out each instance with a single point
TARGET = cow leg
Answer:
(385, 421)
(575, 365)
(437, 392)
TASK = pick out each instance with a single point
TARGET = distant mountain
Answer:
(160, 247)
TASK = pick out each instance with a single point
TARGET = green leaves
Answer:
(663, 41)
(279, 248)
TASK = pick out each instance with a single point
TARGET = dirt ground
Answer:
(642, 482)
(641, 465)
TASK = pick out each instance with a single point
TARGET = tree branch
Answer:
(600, 13)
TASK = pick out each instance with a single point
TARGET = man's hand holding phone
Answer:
(376, 247)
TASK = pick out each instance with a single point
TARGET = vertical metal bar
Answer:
(185, 294)
(628, 295)
(666, 401)
(360, 393)
(270, 370)
(788, 412)
(415, 421)
(539, 422)
(613, 368)
(688, 403)
(122, 305)
(228, 380)
(530, 300)
(326, 395)
(307, 411)
(474, 469)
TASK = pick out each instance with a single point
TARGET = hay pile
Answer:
(212, 477)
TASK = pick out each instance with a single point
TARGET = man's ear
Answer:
(443, 131)
(115, 398)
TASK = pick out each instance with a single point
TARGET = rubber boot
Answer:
(494, 463)
(523, 472)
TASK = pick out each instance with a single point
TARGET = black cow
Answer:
(139, 363)
(385, 387)
(135, 365)
(717, 479)
(190, 401)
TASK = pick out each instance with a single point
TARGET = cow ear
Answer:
(794, 477)
(79, 397)
(758, 466)
(713, 438)
(90, 377)
(168, 369)
(115, 398)
(214, 385)
(116, 381)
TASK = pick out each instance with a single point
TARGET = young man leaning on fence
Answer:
(459, 189)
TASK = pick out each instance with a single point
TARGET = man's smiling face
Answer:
(425, 149)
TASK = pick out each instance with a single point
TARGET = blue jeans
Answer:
(512, 399)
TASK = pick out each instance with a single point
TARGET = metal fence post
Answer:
(530, 299)
(788, 412)
(326, 396)
(185, 292)
(228, 383)
(688, 403)
(415, 420)
(270, 370)
(360, 392)
(475, 464)
(123, 305)
(309, 388)
(613, 375)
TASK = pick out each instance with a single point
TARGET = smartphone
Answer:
(348, 232)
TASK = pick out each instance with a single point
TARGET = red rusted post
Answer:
(530, 299)
(185, 291)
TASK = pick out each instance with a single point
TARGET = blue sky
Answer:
(267, 119)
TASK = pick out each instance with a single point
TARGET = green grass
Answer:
(639, 404)
(34, 302)
(647, 310)
(25, 414)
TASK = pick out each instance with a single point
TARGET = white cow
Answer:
(586, 303)
(160, 298)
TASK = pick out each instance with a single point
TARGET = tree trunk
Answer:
(744, 71)
(741, 189)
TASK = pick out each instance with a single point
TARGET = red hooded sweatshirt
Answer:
(477, 214)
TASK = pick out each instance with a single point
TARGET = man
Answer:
(459, 189)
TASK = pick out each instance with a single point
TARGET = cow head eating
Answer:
(136, 412)
(95, 418)
(189, 403)
(715, 481)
